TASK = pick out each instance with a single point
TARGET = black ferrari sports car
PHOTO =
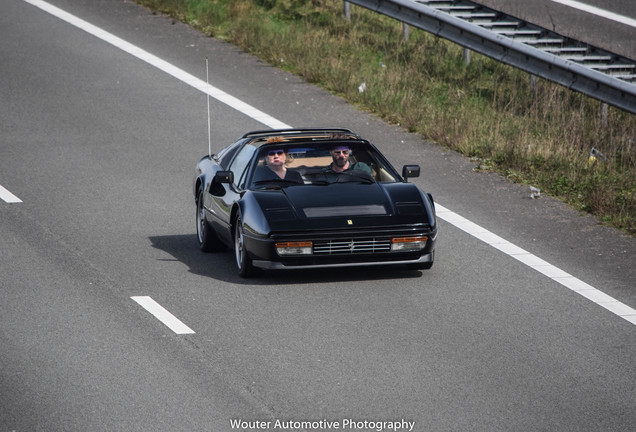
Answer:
(311, 198)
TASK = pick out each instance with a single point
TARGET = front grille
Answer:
(352, 246)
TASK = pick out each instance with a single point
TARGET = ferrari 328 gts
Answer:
(311, 198)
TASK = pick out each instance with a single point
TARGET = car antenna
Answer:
(207, 92)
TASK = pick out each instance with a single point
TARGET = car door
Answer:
(223, 196)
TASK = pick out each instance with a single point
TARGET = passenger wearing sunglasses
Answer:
(275, 168)
(341, 162)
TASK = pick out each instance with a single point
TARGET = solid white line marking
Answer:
(7, 196)
(598, 12)
(449, 216)
(160, 64)
(536, 263)
(172, 322)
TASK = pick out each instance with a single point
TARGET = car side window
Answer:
(381, 170)
(226, 155)
(240, 163)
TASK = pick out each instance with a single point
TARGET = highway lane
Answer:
(568, 20)
(100, 147)
(75, 353)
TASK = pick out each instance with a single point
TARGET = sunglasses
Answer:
(344, 152)
(275, 153)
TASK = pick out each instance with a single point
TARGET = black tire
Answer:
(244, 265)
(208, 240)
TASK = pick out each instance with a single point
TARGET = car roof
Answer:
(289, 136)
(300, 132)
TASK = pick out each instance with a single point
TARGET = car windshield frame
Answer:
(313, 159)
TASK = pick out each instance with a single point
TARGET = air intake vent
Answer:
(359, 210)
(352, 246)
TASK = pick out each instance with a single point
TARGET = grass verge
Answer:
(540, 135)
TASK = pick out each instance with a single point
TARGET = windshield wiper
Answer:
(277, 182)
(317, 178)
(329, 176)
(360, 175)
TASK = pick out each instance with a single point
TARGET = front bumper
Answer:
(277, 265)
(367, 248)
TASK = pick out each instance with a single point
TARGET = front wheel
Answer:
(243, 261)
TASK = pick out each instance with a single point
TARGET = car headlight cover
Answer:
(406, 244)
(294, 248)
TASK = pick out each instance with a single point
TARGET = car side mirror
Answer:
(216, 187)
(224, 177)
(409, 171)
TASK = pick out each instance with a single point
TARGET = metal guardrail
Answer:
(600, 74)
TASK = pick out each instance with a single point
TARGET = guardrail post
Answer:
(604, 114)
(466, 56)
(533, 85)
(347, 10)
(405, 31)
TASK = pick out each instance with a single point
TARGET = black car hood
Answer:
(336, 205)
(348, 199)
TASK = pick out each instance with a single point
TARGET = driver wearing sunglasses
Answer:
(341, 162)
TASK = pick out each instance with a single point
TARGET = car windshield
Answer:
(280, 164)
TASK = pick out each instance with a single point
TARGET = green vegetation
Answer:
(486, 110)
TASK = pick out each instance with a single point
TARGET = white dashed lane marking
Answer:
(7, 196)
(159, 312)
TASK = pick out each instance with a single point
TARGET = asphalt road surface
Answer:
(99, 147)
